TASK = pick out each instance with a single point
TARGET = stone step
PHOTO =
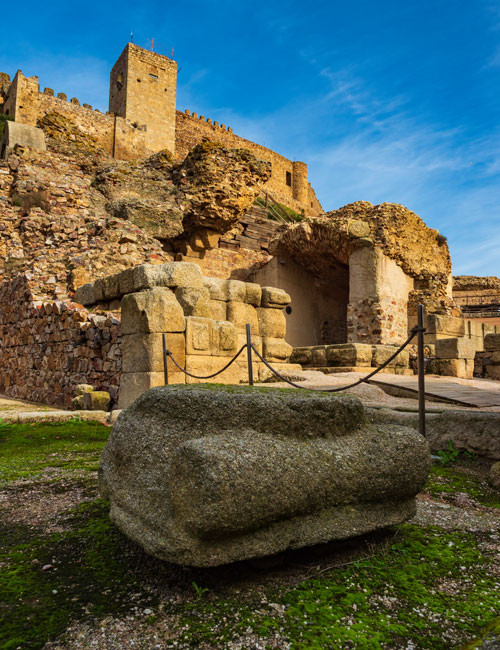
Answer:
(329, 370)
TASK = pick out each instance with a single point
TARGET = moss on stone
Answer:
(434, 588)
(446, 482)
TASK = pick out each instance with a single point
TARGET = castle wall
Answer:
(98, 125)
(49, 347)
(117, 136)
(315, 205)
(288, 183)
(143, 120)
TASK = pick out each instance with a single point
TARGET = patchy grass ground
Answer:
(69, 579)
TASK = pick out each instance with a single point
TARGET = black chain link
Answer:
(413, 333)
(208, 376)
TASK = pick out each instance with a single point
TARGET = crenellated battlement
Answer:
(208, 120)
(49, 92)
(142, 119)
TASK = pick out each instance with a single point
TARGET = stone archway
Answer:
(317, 314)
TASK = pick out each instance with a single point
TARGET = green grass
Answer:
(26, 450)
(373, 603)
(425, 584)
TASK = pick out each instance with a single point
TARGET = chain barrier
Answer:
(418, 330)
(189, 374)
(414, 332)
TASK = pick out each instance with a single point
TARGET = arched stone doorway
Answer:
(317, 314)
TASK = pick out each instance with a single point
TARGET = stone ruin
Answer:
(204, 320)
(205, 477)
(118, 229)
(76, 210)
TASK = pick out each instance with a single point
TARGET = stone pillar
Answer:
(378, 299)
(146, 315)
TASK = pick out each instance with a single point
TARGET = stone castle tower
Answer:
(143, 119)
(143, 91)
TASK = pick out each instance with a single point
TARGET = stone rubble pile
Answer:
(71, 239)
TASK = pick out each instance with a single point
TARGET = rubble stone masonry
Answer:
(49, 347)
(288, 183)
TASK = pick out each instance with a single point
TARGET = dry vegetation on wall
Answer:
(65, 136)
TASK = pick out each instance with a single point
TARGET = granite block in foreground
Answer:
(206, 475)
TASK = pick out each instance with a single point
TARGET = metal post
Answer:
(421, 371)
(165, 358)
(249, 355)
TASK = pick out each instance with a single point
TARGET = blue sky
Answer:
(385, 100)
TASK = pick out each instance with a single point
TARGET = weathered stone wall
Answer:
(455, 346)
(115, 135)
(22, 99)
(204, 320)
(317, 314)
(317, 243)
(478, 297)
(15, 133)
(4, 89)
(98, 125)
(487, 359)
(143, 120)
(288, 183)
(378, 298)
(55, 228)
(237, 264)
(49, 347)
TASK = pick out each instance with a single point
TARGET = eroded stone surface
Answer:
(204, 476)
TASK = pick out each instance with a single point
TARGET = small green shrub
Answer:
(279, 212)
(3, 119)
(449, 455)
